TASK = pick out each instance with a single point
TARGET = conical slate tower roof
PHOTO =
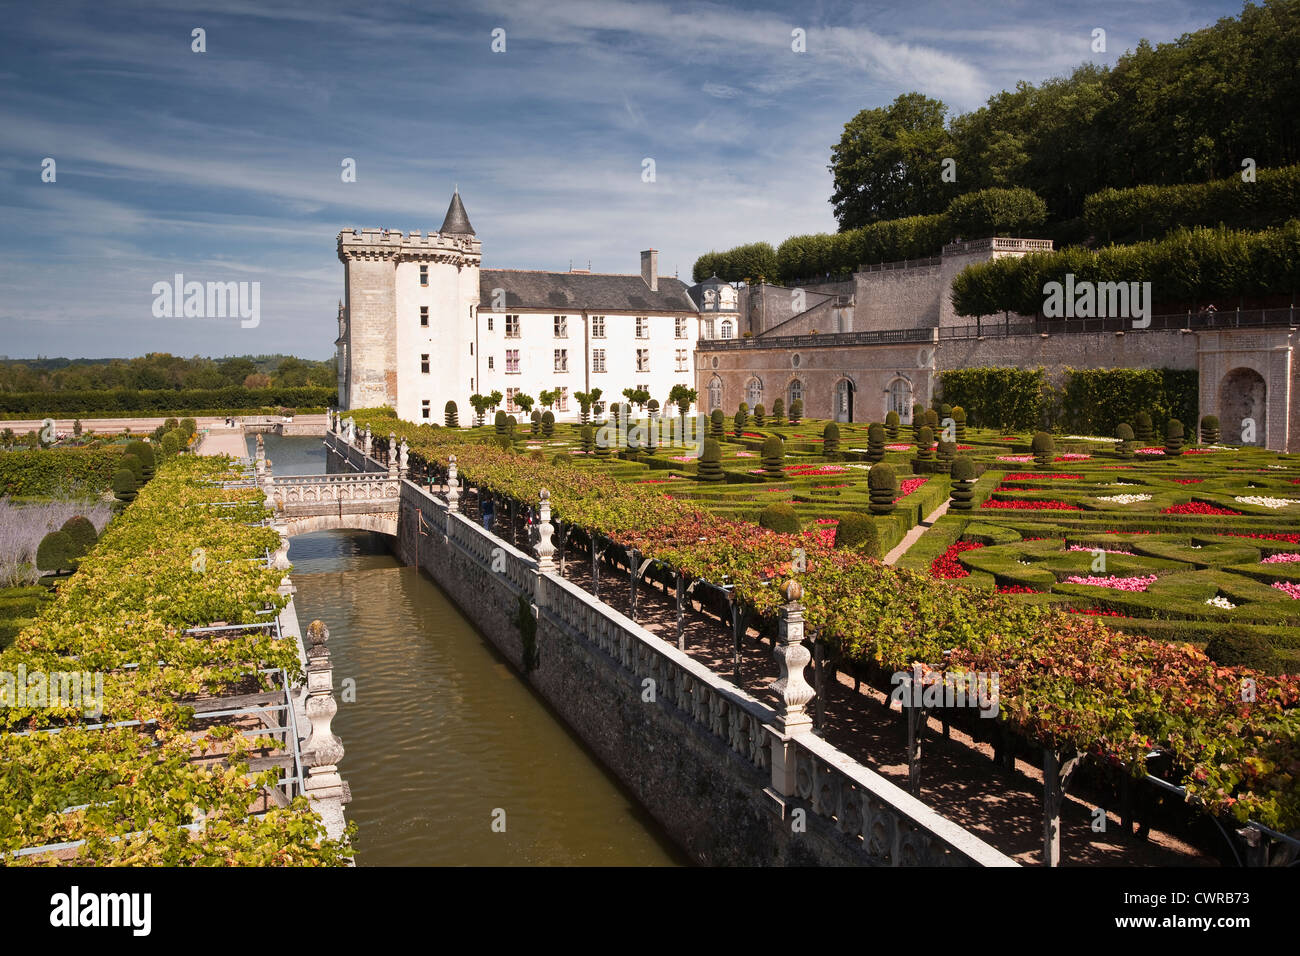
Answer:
(457, 221)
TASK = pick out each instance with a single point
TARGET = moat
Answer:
(442, 732)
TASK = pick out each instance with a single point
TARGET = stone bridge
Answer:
(364, 502)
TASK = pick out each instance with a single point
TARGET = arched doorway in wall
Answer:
(754, 392)
(715, 393)
(1242, 408)
(898, 398)
(844, 393)
(794, 392)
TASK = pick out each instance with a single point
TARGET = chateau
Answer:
(422, 324)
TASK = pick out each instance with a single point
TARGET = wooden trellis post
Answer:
(1058, 772)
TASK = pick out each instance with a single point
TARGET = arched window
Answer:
(715, 393)
(796, 391)
(754, 392)
(726, 329)
(900, 399)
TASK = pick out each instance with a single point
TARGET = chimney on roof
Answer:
(650, 268)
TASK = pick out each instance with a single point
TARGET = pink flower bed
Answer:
(1072, 456)
(1030, 476)
(898, 448)
(909, 485)
(1081, 547)
(1149, 451)
(806, 471)
(746, 454)
(682, 458)
(830, 521)
(1016, 458)
(1289, 588)
(1285, 558)
(1200, 451)
(1136, 583)
(1030, 505)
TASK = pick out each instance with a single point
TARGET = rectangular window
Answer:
(424, 316)
(424, 364)
(424, 275)
(642, 327)
(490, 362)
(561, 360)
(597, 326)
(512, 361)
(510, 400)
(598, 360)
(562, 400)
(424, 408)
(643, 360)
(512, 326)
(489, 323)
(681, 326)
(561, 326)
(471, 348)
(681, 360)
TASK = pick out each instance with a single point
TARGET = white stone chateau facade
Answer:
(422, 323)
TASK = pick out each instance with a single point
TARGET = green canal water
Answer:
(443, 737)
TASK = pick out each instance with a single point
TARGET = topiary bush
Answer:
(875, 442)
(1125, 435)
(892, 424)
(779, 517)
(536, 418)
(1044, 449)
(932, 419)
(945, 411)
(548, 424)
(831, 441)
(189, 426)
(918, 421)
(759, 414)
(1210, 430)
(587, 439)
(774, 457)
(711, 461)
(882, 485)
(450, 415)
(963, 476)
(1142, 427)
(143, 451)
(959, 416)
(778, 411)
(136, 466)
(946, 451)
(604, 441)
(169, 445)
(742, 417)
(858, 532)
(55, 552)
(1237, 649)
(1173, 438)
(717, 425)
(124, 486)
(512, 423)
(925, 443)
(81, 532)
(499, 422)
(796, 411)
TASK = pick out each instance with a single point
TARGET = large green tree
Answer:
(889, 162)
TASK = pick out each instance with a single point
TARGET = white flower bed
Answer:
(1263, 501)
(1125, 499)
(1220, 601)
(1091, 438)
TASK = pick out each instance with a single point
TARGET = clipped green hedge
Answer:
(58, 472)
(996, 397)
(1097, 401)
(1146, 212)
(1189, 265)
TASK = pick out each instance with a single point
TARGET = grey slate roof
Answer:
(457, 221)
(579, 291)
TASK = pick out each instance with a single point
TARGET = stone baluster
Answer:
(453, 486)
(392, 454)
(793, 692)
(545, 546)
(322, 749)
(366, 442)
(404, 459)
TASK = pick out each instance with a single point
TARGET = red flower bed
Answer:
(828, 520)
(1030, 476)
(1189, 481)
(947, 566)
(1094, 612)
(1198, 508)
(1030, 505)
(1016, 589)
(909, 485)
(1289, 538)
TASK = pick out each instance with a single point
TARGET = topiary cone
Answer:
(925, 443)
(1210, 430)
(774, 457)
(875, 442)
(1044, 449)
(963, 491)
(892, 426)
(710, 468)
(1173, 438)
(831, 440)
(882, 485)
(1124, 447)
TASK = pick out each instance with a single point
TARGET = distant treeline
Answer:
(159, 370)
(216, 401)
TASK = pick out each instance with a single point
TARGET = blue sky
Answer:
(225, 165)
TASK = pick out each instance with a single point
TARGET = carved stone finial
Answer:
(545, 546)
(453, 486)
(317, 632)
(793, 591)
(793, 691)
